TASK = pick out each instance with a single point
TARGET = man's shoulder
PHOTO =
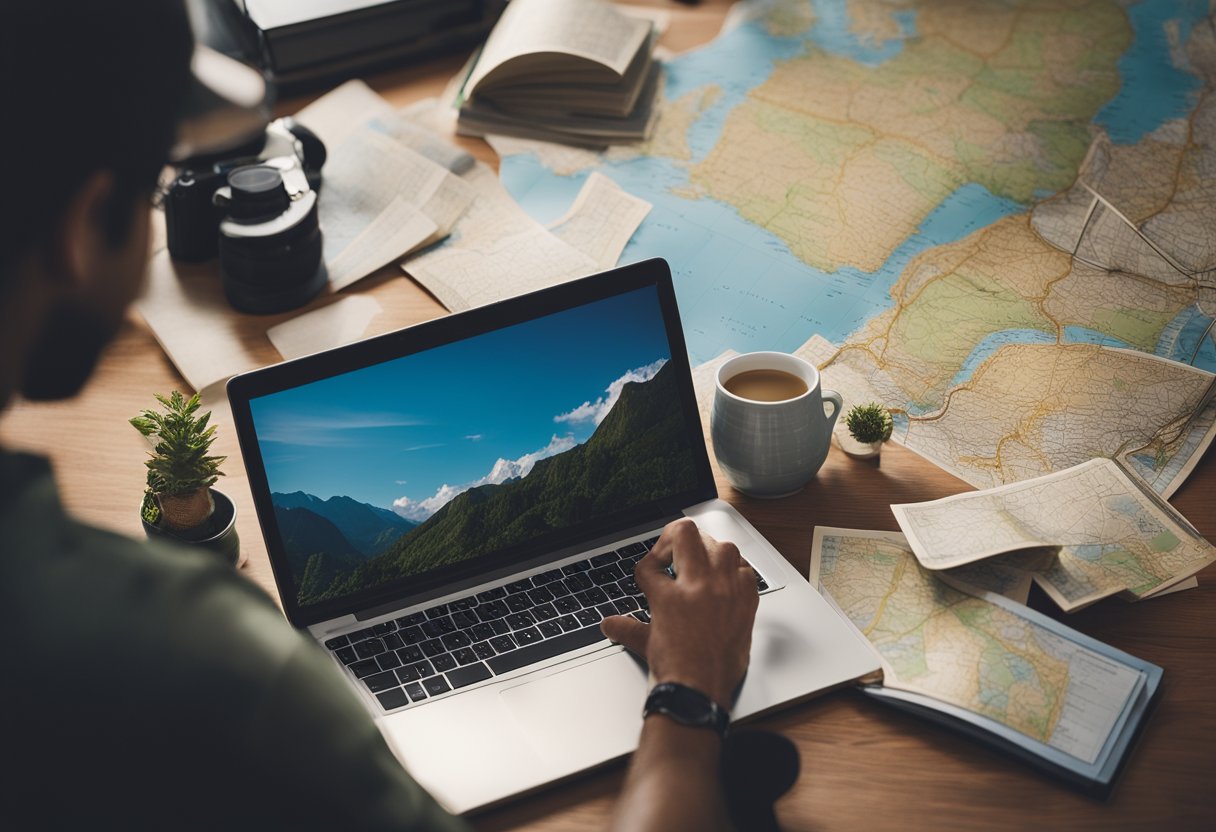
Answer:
(115, 604)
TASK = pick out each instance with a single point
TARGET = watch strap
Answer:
(687, 706)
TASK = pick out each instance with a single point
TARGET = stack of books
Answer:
(572, 71)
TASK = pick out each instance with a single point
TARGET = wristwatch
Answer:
(687, 706)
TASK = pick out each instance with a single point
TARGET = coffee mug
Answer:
(769, 426)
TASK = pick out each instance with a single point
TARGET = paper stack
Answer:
(573, 71)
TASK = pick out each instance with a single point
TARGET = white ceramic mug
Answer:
(772, 449)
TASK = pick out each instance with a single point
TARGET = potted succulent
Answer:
(179, 501)
(869, 426)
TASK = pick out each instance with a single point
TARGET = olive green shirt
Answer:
(150, 686)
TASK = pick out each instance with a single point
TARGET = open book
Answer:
(575, 71)
(982, 664)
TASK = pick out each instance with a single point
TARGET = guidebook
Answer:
(985, 665)
(573, 71)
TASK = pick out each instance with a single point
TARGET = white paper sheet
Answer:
(376, 203)
(498, 251)
(601, 220)
(185, 307)
(341, 322)
(340, 112)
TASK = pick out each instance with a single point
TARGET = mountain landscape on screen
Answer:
(327, 538)
(639, 452)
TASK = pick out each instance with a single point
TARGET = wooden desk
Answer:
(864, 766)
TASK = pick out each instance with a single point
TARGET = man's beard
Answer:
(65, 351)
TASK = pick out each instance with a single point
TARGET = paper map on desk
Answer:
(967, 199)
(1112, 535)
(1063, 693)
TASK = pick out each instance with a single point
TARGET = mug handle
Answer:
(837, 402)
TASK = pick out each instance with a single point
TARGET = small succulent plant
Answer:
(869, 423)
(181, 469)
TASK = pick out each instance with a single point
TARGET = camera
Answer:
(257, 209)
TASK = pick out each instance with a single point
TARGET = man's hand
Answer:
(701, 622)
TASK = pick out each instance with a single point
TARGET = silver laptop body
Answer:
(465, 611)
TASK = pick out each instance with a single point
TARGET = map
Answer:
(986, 657)
(1112, 536)
(988, 216)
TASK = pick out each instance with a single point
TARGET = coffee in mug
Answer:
(766, 385)
(769, 424)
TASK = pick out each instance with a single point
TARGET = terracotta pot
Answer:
(182, 512)
(217, 534)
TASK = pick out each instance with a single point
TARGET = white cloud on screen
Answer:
(333, 430)
(598, 409)
(502, 470)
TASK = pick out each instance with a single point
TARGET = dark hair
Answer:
(89, 85)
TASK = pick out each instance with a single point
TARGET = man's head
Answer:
(92, 92)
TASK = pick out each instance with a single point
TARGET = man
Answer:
(153, 688)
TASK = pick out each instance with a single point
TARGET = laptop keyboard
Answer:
(453, 645)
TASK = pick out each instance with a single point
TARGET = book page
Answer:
(584, 28)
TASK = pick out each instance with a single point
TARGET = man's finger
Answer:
(724, 554)
(651, 573)
(683, 545)
(628, 631)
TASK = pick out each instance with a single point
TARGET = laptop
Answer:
(451, 509)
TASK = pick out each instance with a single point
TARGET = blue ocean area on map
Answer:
(1154, 90)
(740, 287)
(1181, 340)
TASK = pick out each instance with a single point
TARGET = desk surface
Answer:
(863, 764)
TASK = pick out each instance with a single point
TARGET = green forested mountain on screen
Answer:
(639, 452)
(317, 551)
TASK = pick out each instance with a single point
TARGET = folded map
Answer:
(1111, 534)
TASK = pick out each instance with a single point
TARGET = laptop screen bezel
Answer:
(242, 389)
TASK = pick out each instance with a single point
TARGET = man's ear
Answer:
(81, 244)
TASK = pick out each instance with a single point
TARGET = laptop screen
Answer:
(415, 465)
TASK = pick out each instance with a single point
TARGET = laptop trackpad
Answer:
(583, 715)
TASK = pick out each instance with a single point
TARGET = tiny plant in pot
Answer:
(179, 501)
(869, 426)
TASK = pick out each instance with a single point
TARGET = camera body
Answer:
(257, 209)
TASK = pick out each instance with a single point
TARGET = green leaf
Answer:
(179, 462)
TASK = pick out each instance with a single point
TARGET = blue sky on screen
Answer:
(411, 433)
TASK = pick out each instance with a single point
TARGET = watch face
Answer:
(691, 705)
(686, 706)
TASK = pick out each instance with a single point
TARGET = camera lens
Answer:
(258, 194)
(270, 245)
